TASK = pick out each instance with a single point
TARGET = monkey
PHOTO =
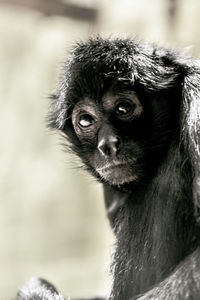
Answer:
(131, 111)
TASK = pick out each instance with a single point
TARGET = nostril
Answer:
(114, 144)
(118, 142)
(100, 145)
(103, 148)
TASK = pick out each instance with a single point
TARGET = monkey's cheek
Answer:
(118, 175)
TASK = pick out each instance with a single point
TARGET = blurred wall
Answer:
(52, 219)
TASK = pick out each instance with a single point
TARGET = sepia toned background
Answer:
(52, 218)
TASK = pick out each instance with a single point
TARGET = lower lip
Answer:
(109, 168)
(117, 174)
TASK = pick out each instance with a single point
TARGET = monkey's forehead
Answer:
(108, 49)
(120, 56)
(108, 54)
(99, 64)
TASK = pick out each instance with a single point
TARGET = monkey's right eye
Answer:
(85, 121)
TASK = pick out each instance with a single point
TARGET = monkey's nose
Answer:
(109, 147)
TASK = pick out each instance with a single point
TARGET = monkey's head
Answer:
(118, 104)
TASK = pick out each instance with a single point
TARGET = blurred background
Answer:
(52, 218)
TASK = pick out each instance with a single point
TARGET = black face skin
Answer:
(103, 125)
(124, 138)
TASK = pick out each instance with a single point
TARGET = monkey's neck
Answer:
(155, 231)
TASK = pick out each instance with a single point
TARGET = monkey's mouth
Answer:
(117, 173)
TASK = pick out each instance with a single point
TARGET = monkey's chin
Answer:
(117, 175)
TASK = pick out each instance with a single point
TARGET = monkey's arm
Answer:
(40, 289)
(182, 284)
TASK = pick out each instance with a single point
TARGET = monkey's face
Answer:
(118, 105)
(114, 136)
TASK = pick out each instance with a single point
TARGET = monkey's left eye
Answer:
(86, 120)
(124, 109)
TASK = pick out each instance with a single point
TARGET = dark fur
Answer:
(156, 221)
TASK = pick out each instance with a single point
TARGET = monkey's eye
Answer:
(124, 109)
(85, 120)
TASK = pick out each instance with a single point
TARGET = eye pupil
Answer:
(86, 120)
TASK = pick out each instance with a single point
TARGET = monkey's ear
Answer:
(59, 103)
(57, 112)
(191, 127)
